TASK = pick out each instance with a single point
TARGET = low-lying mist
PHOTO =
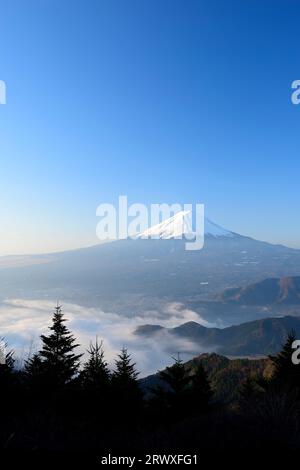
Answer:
(23, 321)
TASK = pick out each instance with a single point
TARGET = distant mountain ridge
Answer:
(270, 291)
(259, 337)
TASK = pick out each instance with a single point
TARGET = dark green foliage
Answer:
(11, 391)
(249, 392)
(6, 357)
(186, 391)
(285, 373)
(227, 375)
(175, 376)
(126, 393)
(6, 366)
(34, 373)
(200, 388)
(125, 374)
(95, 374)
(60, 363)
(169, 400)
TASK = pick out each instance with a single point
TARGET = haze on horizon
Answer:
(161, 101)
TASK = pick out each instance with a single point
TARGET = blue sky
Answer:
(162, 100)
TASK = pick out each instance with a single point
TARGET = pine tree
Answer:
(200, 387)
(7, 363)
(284, 371)
(34, 373)
(60, 363)
(174, 398)
(186, 391)
(175, 376)
(248, 394)
(9, 381)
(127, 399)
(95, 374)
(124, 374)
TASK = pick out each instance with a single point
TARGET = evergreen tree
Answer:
(284, 371)
(249, 392)
(175, 376)
(7, 363)
(125, 373)
(60, 363)
(95, 374)
(127, 399)
(9, 381)
(200, 387)
(34, 373)
(173, 397)
(186, 391)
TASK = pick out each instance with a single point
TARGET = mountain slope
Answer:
(225, 375)
(133, 276)
(269, 291)
(260, 337)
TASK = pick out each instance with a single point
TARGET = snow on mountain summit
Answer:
(181, 224)
(176, 226)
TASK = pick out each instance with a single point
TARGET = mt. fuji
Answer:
(181, 224)
(135, 275)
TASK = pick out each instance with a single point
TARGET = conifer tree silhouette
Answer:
(125, 373)
(60, 363)
(173, 397)
(95, 374)
(247, 390)
(9, 383)
(126, 393)
(7, 360)
(249, 394)
(175, 376)
(286, 373)
(200, 387)
(34, 373)
(6, 364)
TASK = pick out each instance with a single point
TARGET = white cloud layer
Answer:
(23, 321)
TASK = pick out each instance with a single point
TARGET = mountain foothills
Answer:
(284, 291)
(260, 337)
(225, 375)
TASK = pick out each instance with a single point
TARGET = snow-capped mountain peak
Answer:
(180, 224)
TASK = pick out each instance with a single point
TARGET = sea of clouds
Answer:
(23, 321)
